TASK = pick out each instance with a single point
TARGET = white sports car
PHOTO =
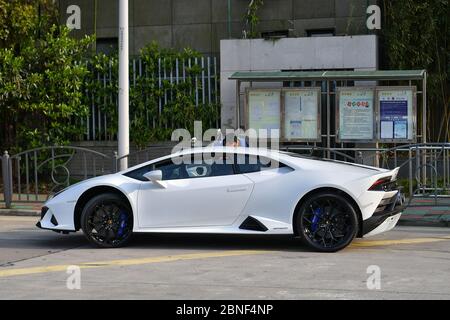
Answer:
(231, 190)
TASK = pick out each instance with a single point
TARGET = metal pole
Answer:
(328, 120)
(424, 108)
(124, 138)
(95, 24)
(229, 19)
(410, 184)
(115, 156)
(238, 104)
(7, 179)
(424, 123)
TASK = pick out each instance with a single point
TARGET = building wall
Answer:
(201, 24)
(344, 52)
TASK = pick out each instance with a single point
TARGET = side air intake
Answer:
(54, 221)
(252, 224)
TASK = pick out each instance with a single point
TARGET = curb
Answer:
(424, 223)
(19, 213)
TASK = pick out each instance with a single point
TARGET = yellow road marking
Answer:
(128, 262)
(376, 243)
(194, 256)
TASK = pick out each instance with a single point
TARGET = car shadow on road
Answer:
(53, 241)
(40, 240)
(217, 242)
(27, 237)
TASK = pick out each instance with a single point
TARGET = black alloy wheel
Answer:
(327, 222)
(107, 221)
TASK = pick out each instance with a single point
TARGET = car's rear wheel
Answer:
(327, 222)
(107, 221)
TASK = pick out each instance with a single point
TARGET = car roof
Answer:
(226, 149)
(291, 159)
(215, 149)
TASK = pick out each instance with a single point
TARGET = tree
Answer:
(251, 19)
(41, 76)
(416, 36)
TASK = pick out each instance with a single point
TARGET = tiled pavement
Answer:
(24, 206)
(426, 211)
(21, 209)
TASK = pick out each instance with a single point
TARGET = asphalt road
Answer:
(409, 262)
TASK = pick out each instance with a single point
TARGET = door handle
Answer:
(236, 189)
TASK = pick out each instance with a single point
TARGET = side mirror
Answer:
(155, 177)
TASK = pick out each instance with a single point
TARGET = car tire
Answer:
(107, 221)
(326, 222)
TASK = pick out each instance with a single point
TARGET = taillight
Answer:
(380, 184)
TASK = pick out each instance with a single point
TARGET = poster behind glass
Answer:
(301, 115)
(356, 114)
(264, 109)
(396, 114)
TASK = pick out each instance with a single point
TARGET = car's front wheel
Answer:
(327, 222)
(107, 221)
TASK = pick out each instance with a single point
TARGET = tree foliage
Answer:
(251, 19)
(45, 75)
(147, 122)
(416, 36)
(40, 76)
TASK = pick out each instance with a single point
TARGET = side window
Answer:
(172, 171)
(247, 164)
(252, 163)
(138, 174)
(210, 168)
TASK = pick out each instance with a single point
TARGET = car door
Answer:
(195, 195)
(270, 195)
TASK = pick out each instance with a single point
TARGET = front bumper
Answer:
(385, 216)
(49, 221)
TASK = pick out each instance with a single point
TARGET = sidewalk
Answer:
(21, 209)
(416, 216)
(427, 214)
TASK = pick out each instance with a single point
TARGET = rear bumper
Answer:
(385, 217)
(374, 222)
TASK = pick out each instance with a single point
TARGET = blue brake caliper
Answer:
(123, 223)
(315, 220)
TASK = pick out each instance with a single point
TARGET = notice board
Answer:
(301, 115)
(396, 109)
(263, 109)
(355, 121)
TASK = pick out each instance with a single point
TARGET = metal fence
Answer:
(33, 175)
(99, 124)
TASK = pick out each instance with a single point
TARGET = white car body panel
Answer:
(220, 204)
(63, 205)
(201, 207)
